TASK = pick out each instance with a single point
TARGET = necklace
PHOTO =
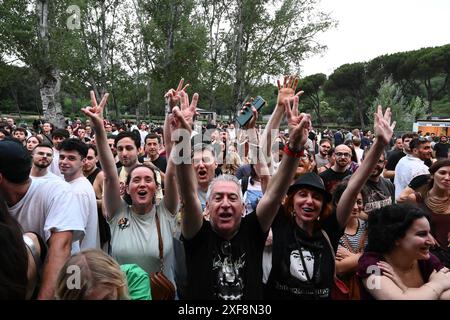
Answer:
(437, 205)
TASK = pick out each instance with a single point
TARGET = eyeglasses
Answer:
(340, 154)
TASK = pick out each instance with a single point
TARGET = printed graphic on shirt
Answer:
(376, 200)
(229, 283)
(297, 269)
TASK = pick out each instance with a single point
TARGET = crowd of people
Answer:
(95, 209)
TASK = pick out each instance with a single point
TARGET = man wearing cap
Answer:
(58, 136)
(41, 206)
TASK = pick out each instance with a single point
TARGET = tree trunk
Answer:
(13, 91)
(239, 65)
(49, 87)
(138, 104)
(170, 38)
(149, 95)
(430, 96)
(316, 103)
(49, 78)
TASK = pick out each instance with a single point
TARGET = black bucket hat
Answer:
(310, 180)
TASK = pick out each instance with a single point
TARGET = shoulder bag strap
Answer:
(332, 250)
(160, 242)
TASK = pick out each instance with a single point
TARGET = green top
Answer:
(138, 282)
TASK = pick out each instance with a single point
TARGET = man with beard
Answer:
(332, 176)
(413, 164)
(58, 136)
(96, 177)
(441, 148)
(322, 156)
(42, 156)
(378, 192)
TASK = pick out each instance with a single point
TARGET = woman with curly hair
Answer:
(397, 263)
(435, 200)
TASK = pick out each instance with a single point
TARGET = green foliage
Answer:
(405, 114)
(137, 49)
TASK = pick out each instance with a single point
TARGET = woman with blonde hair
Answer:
(91, 275)
(232, 163)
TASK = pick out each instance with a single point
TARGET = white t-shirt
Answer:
(85, 195)
(49, 206)
(54, 166)
(407, 168)
(359, 154)
(137, 240)
(47, 176)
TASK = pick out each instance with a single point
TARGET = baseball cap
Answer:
(310, 180)
(15, 161)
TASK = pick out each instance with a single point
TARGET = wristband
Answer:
(293, 153)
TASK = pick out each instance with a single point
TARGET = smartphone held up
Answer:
(246, 114)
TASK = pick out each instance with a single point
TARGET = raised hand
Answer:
(299, 124)
(189, 110)
(382, 126)
(183, 117)
(252, 123)
(287, 91)
(173, 96)
(95, 111)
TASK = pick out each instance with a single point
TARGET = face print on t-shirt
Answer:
(297, 269)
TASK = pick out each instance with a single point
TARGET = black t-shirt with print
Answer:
(226, 270)
(332, 178)
(378, 194)
(292, 249)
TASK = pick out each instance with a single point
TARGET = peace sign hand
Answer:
(173, 95)
(95, 111)
(299, 124)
